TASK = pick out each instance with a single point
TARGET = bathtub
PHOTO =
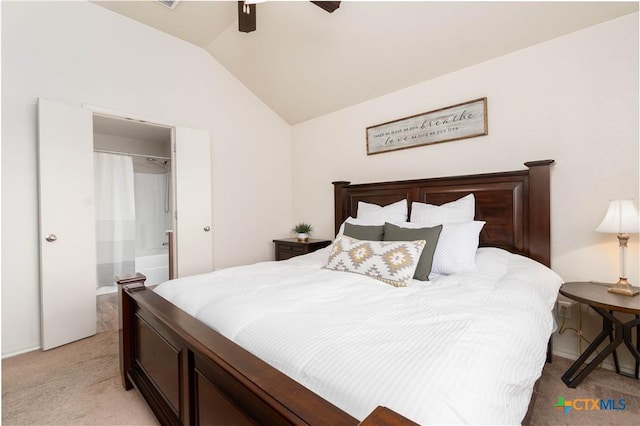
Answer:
(155, 266)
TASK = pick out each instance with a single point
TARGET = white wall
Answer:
(573, 99)
(77, 52)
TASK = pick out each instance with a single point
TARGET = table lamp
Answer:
(622, 219)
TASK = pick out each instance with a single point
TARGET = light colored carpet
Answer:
(76, 384)
(80, 384)
(600, 384)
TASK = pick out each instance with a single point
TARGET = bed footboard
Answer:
(189, 374)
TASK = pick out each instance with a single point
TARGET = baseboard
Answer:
(609, 365)
(23, 351)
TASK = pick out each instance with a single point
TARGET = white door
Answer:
(192, 160)
(67, 223)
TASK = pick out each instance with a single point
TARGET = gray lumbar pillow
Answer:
(430, 235)
(362, 232)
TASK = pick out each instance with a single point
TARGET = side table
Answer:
(595, 295)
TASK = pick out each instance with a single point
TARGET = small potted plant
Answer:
(303, 230)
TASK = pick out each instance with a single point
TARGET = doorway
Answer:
(67, 213)
(134, 202)
(134, 206)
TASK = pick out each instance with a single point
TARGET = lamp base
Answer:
(623, 282)
(624, 288)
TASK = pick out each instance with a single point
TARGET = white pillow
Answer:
(461, 210)
(396, 212)
(456, 248)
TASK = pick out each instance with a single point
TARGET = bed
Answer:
(335, 364)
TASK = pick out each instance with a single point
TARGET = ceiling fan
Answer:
(247, 12)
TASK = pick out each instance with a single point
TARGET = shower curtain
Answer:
(115, 217)
(151, 218)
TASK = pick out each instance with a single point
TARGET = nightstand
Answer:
(290, 247)
(595, 295)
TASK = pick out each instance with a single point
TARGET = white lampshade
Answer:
(622, 217)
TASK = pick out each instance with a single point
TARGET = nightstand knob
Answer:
(207, 229)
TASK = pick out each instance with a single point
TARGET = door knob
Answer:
(207, 229)
(51, 238)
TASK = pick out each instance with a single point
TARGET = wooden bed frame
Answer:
(190, 374)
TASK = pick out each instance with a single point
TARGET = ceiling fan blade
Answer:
(247, 13)
(329, 6)
(246, 21)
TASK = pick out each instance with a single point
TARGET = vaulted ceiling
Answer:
(304, 62)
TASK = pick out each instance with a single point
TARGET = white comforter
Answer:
(463, 348)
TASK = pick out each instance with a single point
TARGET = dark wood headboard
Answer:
(515, 205)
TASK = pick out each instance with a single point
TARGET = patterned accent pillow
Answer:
(392, 262)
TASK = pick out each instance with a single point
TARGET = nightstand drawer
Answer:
(291, 247)
(284, 248)
(284, 254)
